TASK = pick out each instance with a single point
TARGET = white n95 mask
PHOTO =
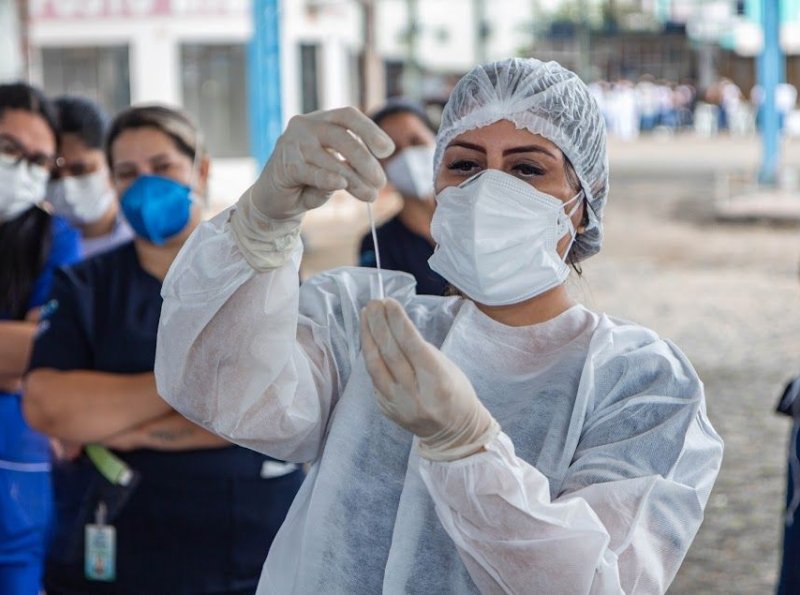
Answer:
(22, 186)
(496, 238)
(411, 171)
(81, 199)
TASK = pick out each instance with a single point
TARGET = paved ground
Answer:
(727, 294)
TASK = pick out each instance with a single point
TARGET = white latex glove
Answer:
(419, 388)
(303, 171)
(318, 154)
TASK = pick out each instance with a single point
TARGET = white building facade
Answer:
(193, 53)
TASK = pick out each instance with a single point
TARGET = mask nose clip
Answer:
(472, 179)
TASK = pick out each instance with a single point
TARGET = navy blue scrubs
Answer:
(25, 492)
(198, 521)
(789, 579)
(403, 250)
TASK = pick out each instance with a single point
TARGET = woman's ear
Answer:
(203, 170)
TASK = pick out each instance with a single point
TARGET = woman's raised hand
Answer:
(320, 153)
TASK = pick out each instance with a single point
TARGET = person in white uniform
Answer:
(507, 440)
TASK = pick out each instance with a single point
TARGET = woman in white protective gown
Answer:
(502, 440)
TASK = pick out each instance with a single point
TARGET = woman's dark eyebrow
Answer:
(529, 149)
(124, 164)
(525, 149)
(159, 157)
(470, 146)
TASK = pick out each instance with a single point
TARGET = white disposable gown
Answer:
(597, 483)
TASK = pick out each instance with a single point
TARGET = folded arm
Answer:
(88, 406)
(171, 432)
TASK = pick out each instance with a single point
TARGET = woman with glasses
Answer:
(32, 244)
(203, 511)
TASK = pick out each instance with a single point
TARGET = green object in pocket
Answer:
(110, 466)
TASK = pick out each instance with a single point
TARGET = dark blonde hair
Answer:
(175, 123)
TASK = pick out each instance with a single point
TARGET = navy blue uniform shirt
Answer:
(198, 521)
(403, 250)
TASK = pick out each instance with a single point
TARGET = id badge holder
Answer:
(100, 556)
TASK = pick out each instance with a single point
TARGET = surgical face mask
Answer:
(22, 186)
(156, 207)
(411, 171)
(81, 199)
(496, 238)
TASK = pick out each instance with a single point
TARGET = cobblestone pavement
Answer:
(729, 296)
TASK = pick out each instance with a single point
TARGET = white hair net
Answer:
(546, 99)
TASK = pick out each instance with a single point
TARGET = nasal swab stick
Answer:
(381, 293)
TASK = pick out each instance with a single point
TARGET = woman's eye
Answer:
(162, 168)
(125, 175)
(463, 166)
(527, 170)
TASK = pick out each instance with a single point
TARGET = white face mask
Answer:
(496, 238)
(22, 186)
(411, 172)
(81, 199)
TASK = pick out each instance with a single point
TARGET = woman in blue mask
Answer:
(32, 244)
(505, 440)
(147, 502)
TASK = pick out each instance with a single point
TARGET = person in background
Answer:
(789, 574)
(82, 191)
(405, 241)
(32, 244)
(203, 511)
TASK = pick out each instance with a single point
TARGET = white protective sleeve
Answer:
(231, 355)
(623, 536)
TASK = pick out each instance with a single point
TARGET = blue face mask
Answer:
(157, 208)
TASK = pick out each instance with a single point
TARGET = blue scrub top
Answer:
(18, 442)
(25, 494)
(403, 250)
(199, 521)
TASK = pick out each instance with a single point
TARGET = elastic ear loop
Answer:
(573, 232)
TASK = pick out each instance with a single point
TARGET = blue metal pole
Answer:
(769, 74)
(264, 80)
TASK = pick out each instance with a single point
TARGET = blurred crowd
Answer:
(652, 105)
(104, 488)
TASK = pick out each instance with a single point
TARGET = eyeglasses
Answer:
(12, 151)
